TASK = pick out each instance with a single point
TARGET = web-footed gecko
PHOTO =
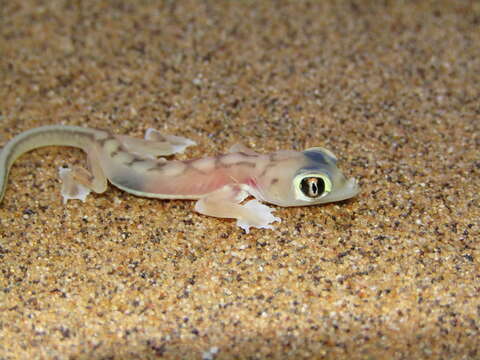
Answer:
(218, 183)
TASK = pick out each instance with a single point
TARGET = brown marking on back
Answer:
(269, 165)
(102, 142)
(123, 157)
(116, 146)
(274, 159)
(229, 159)
(142, 164)
(241, 163)
(134, 160)
(158, 166)
(237, 160)
(247, 155)
(175, 168)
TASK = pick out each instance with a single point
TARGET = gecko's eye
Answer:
(312, 186)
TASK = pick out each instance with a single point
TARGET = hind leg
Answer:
(78, 182)
(155, 144)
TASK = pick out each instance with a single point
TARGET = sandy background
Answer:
(391, 87)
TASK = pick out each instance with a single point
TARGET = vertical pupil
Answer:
(313, 186)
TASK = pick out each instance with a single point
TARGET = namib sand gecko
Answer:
(220, 184)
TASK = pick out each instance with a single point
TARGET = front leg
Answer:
(225, 203)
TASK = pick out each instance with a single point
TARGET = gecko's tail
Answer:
(50, 135)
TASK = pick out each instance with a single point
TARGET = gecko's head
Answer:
(315, 179)
(321, 181)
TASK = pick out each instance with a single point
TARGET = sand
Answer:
(391, 87)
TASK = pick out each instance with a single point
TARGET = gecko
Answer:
(219, 184)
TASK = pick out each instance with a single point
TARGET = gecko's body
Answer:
(219, 183)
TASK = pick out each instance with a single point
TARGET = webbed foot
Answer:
(259, 216)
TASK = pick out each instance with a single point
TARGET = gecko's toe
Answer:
(260, 216)
(70, 188)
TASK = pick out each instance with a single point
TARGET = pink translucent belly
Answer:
(189, 183)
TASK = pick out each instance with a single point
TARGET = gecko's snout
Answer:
(352, 186)
(347, 190)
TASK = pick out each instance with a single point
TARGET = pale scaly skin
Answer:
(219, 184)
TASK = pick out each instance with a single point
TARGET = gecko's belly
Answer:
(188, 186)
